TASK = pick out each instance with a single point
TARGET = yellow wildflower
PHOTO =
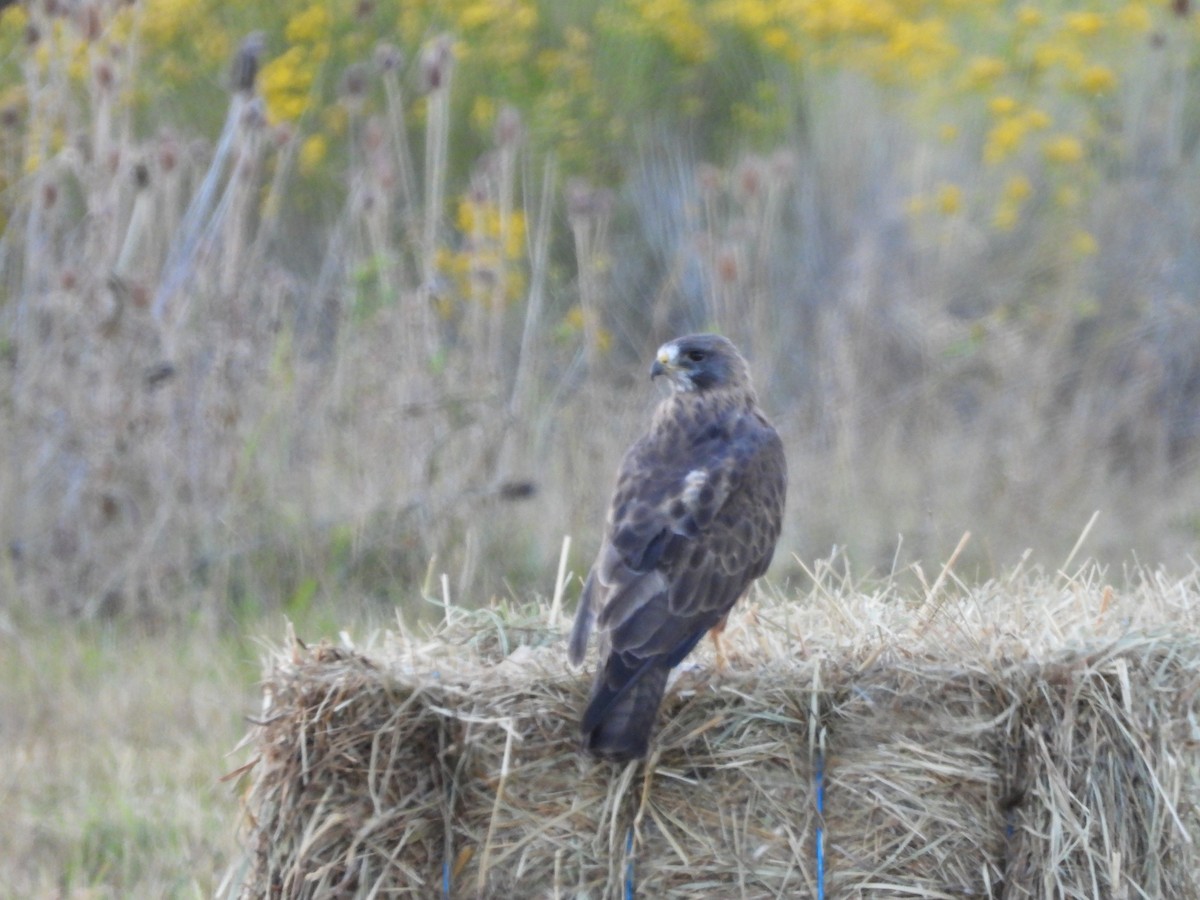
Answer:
(1055, 54)
(479, 14)
(926, 44)
(14, 19)
(1067, 196)
(948, 132)
(77, 66)
(1006, 216)
(752, 16)
(484, 222)
(983, 70)
(1085, 24)
(524, 17)
(677, 24)
(1029, 17)
(1097, 79)
(312, 153)
(285, 82)
(120, 26)
(1017, 188)
(164, 21)
(212, 44)
(1002, 105)
(1063, 148)
(777, 40)
(514, 240)
(483, 113)
(949, 199)
(1004, 139)
(1133, 17)
(1084, 243)
(1037, 119)
(309, 26)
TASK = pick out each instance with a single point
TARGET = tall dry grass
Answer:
(186, 411)
(221, 390)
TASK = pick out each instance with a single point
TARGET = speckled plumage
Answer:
(697, 510)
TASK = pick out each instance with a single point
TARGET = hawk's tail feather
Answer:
(619, 719)
(585, 616)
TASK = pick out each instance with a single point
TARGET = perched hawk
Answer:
(693, 521)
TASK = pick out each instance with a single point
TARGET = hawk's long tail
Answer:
(620, 716)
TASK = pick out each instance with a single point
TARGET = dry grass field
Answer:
(364, 325)
(113, 741)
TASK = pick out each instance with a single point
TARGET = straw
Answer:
(898, 755)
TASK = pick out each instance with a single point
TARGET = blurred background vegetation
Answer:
(383, 312)
(304, 305)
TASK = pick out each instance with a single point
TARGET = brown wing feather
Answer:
(694, 519)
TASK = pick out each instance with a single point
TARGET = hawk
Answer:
(693, 521)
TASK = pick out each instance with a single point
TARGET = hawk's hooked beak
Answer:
(663, 363)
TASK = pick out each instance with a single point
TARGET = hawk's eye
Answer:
(695, 355)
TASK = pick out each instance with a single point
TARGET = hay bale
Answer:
(1019, 740)
(1106, 796)
(914, 803)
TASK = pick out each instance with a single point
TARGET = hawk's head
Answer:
(701, 362)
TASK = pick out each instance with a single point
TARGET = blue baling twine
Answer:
(446, 878)
(629, 865)
(820, 779)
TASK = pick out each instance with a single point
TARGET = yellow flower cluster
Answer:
(1027, 90)
(1097, 79)
(1085, 24)
(878, 37)
(309, 26)
(1040, 80)
(984, 71)
(1059, 69)
(772, 23)
(165, 21)
(312, 153)
(572, 97)
(489, 265)
(286, 84)
(1013, 124)
(483, 221)
(186, 38)
(1063, 148)
(287, 80)
(1016, 190)
(575, 323)
(677, 24)
(496, 34)
(949, 199)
